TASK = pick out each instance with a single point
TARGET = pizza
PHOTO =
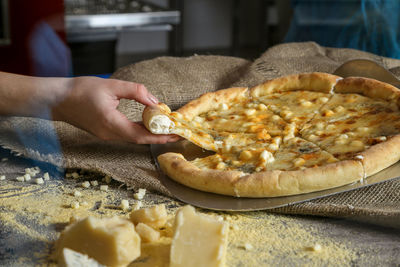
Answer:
(290, 135)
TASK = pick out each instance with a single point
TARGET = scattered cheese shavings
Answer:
(85, 184)
(2, 177)
(84, 203)
(248, 246)
(315, 248)
(46, 176)
(103, 187)
(75, 205)
(27, 177)
(234, 227)
(20, 179)
(140, 194)
(75, 175)
(39, 180)
(77, 193)
(137, 205)
(94, 183)
(4, 159)
(124, 205)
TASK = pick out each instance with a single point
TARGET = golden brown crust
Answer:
(184, 172)
(212, 100)
(263, 184)
(284, 183)
(368, 87)
(381, 156)
(316, 81)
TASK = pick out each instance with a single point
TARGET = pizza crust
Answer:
(214, 181)
(262, 184)
(212, 100)
(381, 156)
(316, 81)
(368, 87)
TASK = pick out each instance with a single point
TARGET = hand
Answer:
(90, 103)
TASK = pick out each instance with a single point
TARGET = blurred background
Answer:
(95, 37)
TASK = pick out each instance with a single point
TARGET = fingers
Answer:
(136, 92)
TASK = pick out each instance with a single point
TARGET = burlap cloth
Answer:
(175, 81)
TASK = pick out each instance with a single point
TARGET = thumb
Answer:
(135, 91)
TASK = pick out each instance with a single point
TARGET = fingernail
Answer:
(153, 99)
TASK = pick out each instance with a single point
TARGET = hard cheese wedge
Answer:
(74, 259)
(198, 240)
(110, 241)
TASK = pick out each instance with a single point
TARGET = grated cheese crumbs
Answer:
(316, 248)
(75, 205)
(137, 205)
(94, 183)
(39, 180)
(46, 176)
(2, 177)
(77, 193)
(248, 246)
(104, 188)
(235, 227)
(20, 179)
(124, 205)
(75, 175)
(140, 194)
(27, 177)
(85, 184)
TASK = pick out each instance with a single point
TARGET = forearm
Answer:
(30, 96)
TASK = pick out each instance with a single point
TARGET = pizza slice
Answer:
(296, 98)
(218, 121)
(351, 125)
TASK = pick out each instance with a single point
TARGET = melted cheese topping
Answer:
(286, 131)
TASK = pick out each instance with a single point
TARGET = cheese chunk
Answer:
(110, 241)
(198, 240)
(155, 217)
(146, 233)
(74, 259)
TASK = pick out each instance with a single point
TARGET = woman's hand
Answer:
(90, 103)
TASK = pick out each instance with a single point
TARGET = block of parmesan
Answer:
(110, 241)
(198, 240)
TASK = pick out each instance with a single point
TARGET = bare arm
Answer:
(88, 103)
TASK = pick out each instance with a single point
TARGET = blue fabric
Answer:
(369, 25)
(105, 76)
(49, 54)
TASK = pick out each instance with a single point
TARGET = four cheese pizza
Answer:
(287, 136)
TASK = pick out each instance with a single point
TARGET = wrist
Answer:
(30, 96)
